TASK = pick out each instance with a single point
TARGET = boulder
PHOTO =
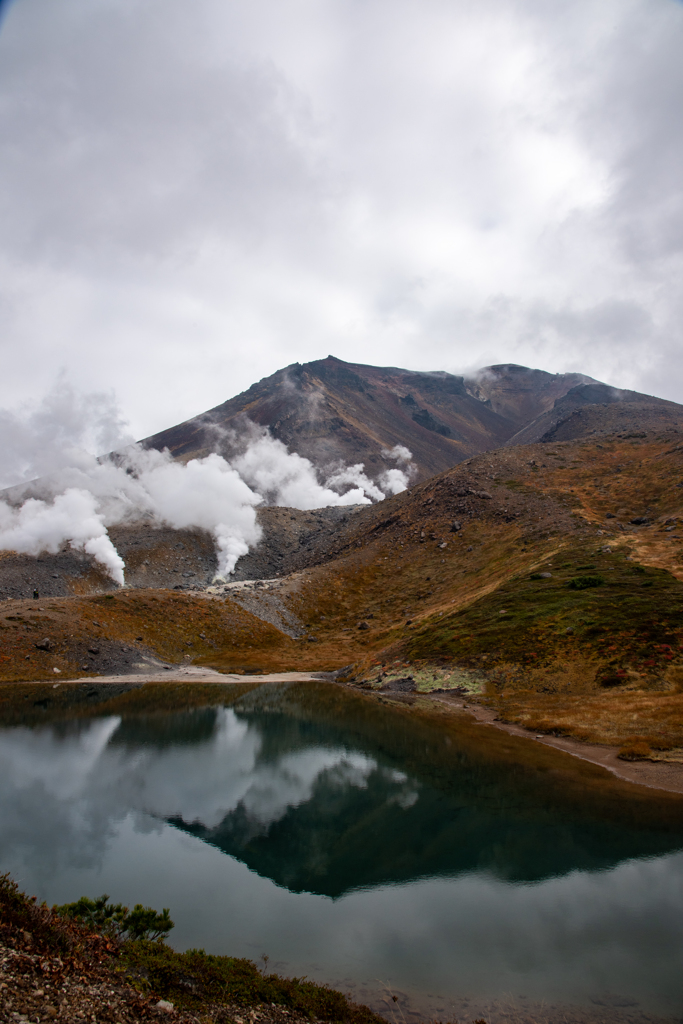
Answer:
(404, 685)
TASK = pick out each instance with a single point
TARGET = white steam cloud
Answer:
(396, 479)
(72, 517)
(285, 478)
(82, 496)
(57, 431)
(93, 495)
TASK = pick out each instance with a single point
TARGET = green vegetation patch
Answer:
(607, 615)
(194, 978)
(428, 679)
(585, 582)
(434, 677)
(114, 919)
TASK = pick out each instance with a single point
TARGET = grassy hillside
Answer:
(548, 577)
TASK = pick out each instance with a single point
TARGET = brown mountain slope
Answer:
(519, 393)
(329, 410)
(546, 578)
(599, 409)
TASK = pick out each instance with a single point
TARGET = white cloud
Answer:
(195, 196)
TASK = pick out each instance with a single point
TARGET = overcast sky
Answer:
(193, 195)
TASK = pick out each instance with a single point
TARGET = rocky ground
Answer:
(155, 556)
(36, 987)
(158, 556)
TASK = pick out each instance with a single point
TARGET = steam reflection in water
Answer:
(347, 849)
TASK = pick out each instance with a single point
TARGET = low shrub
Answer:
(113, 918)
(584, 582)
(193, 978)
(635, 750)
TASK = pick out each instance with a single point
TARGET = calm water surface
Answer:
(358, 845)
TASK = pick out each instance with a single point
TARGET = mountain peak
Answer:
(330, 411)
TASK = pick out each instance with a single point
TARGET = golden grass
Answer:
(655, 719)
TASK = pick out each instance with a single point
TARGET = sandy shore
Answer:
(192, 674)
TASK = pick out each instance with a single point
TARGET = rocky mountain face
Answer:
(599, 409)
(330, 411)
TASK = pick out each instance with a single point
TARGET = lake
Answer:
(384, 851)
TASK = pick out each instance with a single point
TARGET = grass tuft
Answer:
(635, 750)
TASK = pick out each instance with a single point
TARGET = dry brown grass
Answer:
(574, 675)
(655, 719)
(635, 749)
(626, 477)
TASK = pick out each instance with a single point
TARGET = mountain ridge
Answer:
(331, 411)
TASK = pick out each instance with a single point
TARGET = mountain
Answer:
(541, 576)
(330, 411)
(595, 408)
(547, 579)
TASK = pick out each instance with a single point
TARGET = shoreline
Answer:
(181, 674)
(660, 775)
(652, 774)
(204, 675)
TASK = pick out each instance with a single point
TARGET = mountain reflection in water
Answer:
(327, 795)
(328, 813)
(324, 792)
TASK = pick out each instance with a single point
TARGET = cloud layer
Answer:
(193, 196)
